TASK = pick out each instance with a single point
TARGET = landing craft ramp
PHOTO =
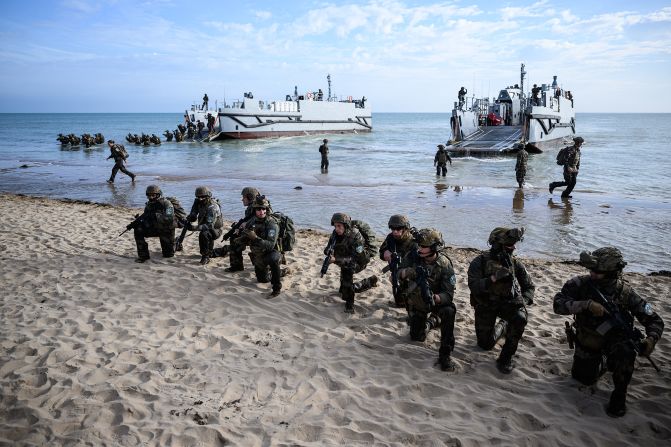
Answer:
(488, 141)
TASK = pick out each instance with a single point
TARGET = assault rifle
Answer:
(235, 227)
(393, 266)
(182, 235)
(515, 289)
(570, 335)
(422, 280)
(328, 251)
(139, 218)
(625, 323)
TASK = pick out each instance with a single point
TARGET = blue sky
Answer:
(158, 56)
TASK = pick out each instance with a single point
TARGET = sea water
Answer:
(621, 197)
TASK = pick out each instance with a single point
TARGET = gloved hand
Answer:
(500, 274)
(129, 226)
(596, 309)
(250, 235)
(647, 346)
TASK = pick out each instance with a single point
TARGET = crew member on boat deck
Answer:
(535, 95)
(462, 96)
(320, 95)
(205, 101)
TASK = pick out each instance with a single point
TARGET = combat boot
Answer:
(446, 363)
(275, 292)
(221, 251)
(432, 322)
(552, 187)
(365, 284)
(500, 330)
(234, 268)
(349, 307)
(505, 363)
(204, 260)
(617, 406)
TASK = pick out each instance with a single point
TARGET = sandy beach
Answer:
(99, 350)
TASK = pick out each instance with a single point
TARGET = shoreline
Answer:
(97, 349)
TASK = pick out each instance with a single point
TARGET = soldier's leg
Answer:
(273, 260)
(260, 267)
(127, 172)
(167, 239)
(444, 170)
(487, 331)
(417, 317)
(438, 169)
(365, 284)
(620, 357)
(115, 169)
(142, 247)
(517, 321)
(447, 314)
(570, 184)
(587, 365)
(235, 257)
(347, 288)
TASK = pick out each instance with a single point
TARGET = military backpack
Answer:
(121, 150)
(562, 156)
(368, 234)
(180, 214)
(287, 236)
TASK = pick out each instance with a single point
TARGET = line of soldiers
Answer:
(143, 139)
(424, 281)
(87, 139)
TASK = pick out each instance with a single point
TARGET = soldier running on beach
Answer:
(119, 154)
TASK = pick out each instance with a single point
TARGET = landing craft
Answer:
(480, 127)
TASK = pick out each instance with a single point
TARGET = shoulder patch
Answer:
(271, 232)
(359, 249)
(647, 309)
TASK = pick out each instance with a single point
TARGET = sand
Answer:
(99, 350)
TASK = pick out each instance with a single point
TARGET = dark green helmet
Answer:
(153, 189)
(430, 237)
(398, 221)
(341, 218)
(203, 191)
(260, 202)
(249, 192)
(506, 236)
(606, 259)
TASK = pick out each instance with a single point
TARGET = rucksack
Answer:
(287, 237)
(180, 214)
(368, 236)
(121, 150)
(562, 156)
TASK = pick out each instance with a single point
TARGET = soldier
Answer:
(604, 306)
(349, 253)
(395, 247)
(521, 166)
(431, 289)
(441, 159)
(571, 168)
(324, 150)
(205, 101)
(118, 152)
(238, 245)
(500, 286)
(157, 220)
(462, 96)
(168, 135)
(207, 213)
(261, 235)
(535, 95)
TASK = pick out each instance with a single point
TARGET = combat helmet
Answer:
(260, 202)
(153, 189)
(430, 237)
(203, 191)
(605, 259)
(399, 221)
(505, 236)
(341, 218)
(249, 192)
(579, 140)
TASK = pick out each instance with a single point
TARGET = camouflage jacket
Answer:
(522, 158)
(442, 279)
(442, 157)
(267, 231)
(350, 250)
(208, 214)
(572, 164)
(159, 215)
(576, 294)
(485, 292)
(324, 150)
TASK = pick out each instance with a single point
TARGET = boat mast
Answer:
(522, 74)
(328, 78)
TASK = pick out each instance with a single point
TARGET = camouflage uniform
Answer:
(399, 247)
(324, 150)
(210, 223)
(238, 245)
(441, 159)
(503, 299)
(600, 336)
(521, 166)
(158, 220)
(571, 168)
(119, 163)
(442, 281)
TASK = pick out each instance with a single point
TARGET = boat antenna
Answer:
(328, 79)
(522, 75)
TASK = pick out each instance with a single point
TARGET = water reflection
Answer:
(440, 188)
(565, 208)
(518, 201)
(122, 195)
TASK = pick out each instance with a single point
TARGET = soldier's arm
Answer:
(477, 282)
(642, 310)
(165, 218)
(268, 241)
(567, 301)
(193, 214)
(525, 281)
(448, 281)
(383, 247)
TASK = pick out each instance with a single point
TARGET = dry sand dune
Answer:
(98, 350)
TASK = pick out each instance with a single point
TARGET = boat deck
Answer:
(488, 141)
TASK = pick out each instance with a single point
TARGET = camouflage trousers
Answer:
(166, 237)
(570, 180)
(265, 262)
(520, 174)
(515, 315)
(588, 365)
(418, 312)
(347, 285)
(119, 166)
(206, 240)
(441, 168)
